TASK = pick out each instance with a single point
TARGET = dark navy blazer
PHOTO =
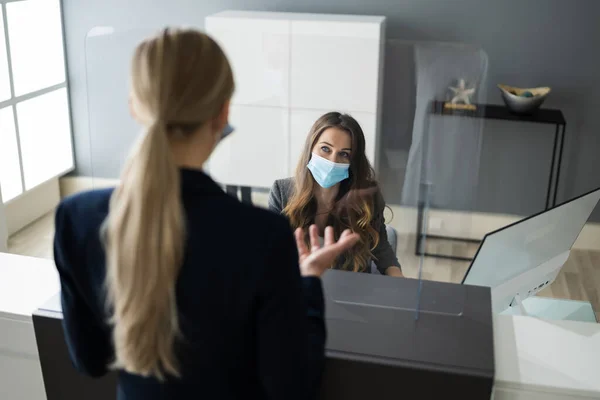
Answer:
(253, 328)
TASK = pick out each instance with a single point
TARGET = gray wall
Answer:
(529, 43)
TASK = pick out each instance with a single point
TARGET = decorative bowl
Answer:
(521, 100)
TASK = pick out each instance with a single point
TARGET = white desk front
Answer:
(25, 284)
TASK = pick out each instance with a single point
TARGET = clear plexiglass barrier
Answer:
(413, 101)
(432, 142)
(112, 129)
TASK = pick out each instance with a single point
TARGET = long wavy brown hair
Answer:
(354, 205)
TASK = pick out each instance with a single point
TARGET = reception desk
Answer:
(377, 348)
(531, 358)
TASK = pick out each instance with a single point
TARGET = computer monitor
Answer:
(521, 259)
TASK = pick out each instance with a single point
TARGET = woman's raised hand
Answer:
(317, 259)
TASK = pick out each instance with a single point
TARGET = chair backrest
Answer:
(393, 240)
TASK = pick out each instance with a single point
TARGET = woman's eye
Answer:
(325, 149)
(344, 154)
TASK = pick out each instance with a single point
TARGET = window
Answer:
(10, 171)
(36, 45)
(35, 130)
(4, 80)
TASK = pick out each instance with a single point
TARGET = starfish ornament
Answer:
(461, 93)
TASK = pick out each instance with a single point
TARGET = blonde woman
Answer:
(183, 290)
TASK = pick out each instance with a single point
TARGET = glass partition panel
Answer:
(434, 101)
(112, 129)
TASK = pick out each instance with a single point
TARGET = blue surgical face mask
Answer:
(327, 173)
(227, 131)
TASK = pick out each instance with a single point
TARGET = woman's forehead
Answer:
(336, 137)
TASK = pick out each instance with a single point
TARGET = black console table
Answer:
(488, 111)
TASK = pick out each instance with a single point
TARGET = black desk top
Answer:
(371, 318)
(491, 111)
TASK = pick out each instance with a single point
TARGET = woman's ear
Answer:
(132, 109)
(222, 118)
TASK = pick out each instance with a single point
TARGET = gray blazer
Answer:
(384, 255)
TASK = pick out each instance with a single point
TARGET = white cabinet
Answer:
(335, 65)
(258, 50)
(300, 123)
(289, 70)
(257, 153)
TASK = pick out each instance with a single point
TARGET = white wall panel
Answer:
(257, 153)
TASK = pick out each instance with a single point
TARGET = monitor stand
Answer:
(547, 308)
(519, 307)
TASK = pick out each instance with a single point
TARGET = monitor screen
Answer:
(526, 244)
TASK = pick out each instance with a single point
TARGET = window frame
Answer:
(14, 100)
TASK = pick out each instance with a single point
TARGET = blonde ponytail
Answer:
(180, 79)
(145, 239)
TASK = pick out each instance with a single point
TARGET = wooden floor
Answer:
(579, 279)
(34, 240)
